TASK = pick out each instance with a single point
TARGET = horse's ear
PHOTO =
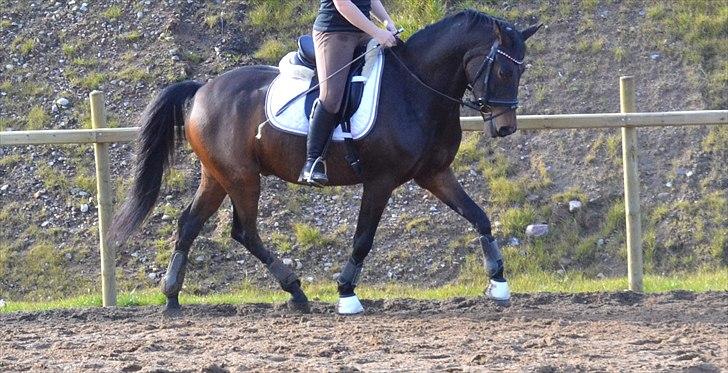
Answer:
(527, 33)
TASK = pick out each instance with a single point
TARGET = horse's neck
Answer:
(439, 64)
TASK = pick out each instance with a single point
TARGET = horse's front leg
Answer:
(374, 200)
(445, 187)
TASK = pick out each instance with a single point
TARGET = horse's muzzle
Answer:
(505, 131)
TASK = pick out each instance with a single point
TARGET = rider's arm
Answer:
(352, 14)
(382, 15)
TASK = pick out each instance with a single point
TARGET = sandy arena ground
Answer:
(543, 333)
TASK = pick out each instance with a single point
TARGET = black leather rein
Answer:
(483, 105)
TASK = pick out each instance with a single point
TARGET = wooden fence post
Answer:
(627, 104)
(103, 200)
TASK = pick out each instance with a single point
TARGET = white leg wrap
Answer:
(349, 306)
(499, 291)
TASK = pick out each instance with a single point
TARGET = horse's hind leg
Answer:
(245, 230)
(445, 187)
(207, 200)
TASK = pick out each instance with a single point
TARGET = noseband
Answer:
(484, 105)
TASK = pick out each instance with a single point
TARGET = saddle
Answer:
(306, 56)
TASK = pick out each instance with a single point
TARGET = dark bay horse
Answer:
(416, 136)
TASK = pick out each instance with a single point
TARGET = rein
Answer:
(482, 105)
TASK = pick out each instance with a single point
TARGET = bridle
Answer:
(484, 104)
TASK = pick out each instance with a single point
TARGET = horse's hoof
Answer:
(172, 308)
(299, 307)
(172, 312)
(499, 292)
(349, 306)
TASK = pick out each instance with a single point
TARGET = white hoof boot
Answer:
(349, 306)
(498, 291)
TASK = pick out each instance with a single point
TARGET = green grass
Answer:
(308, 236)
(468, 286)
(37, 118)
(131, 36)
(273, 50)
(112, 13)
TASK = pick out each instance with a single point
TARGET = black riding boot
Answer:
(322, 124)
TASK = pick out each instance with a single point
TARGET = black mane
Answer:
(470, 17)
(467, 19)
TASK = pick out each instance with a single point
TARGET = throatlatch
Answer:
(493, 259)
(349, 278)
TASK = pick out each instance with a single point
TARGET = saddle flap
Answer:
(360, 107)
(306, 51)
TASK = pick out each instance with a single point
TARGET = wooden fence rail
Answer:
(627, 120)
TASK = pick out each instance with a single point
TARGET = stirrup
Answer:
(311, 177)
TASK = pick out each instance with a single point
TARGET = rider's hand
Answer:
(391, 27)
(385, 38)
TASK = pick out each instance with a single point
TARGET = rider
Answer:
(341, 26)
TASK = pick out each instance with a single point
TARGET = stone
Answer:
(39, 193)
(45, 224)
(537, 230)
(299, 265)
(655, 56)
(600, 275)
(2, 303)
(200, 258)
(336, 276)
(663, 196)
(4, 187)
(513, 241)
(574, 206)
(63, 102)
(152, 276)
(166, 217)
(309, 278)
(600, 242)
(84, 207)
(287, 261)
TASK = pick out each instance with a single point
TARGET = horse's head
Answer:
(494, 71)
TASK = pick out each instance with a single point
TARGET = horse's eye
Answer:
(505, 73)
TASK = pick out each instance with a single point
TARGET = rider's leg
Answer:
(333, 51)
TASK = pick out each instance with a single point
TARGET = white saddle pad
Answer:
(294, 79)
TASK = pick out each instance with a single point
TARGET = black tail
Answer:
(155, 148)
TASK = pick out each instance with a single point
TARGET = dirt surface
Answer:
(544, 333)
